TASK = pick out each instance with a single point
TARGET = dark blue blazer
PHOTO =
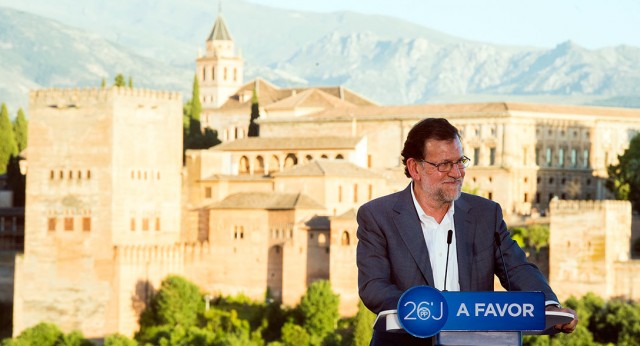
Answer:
(392, 255)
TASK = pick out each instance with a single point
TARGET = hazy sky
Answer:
(541, 23)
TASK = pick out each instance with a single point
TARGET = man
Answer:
(403, 236)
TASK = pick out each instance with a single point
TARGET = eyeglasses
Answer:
(447, 166)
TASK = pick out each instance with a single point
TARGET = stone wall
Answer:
(588, 240)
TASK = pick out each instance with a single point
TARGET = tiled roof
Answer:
(465, 109)
(219, 31)
(229, 177)
(288, 143)
(268, 201)
(310, 98)
(318, 222)
(269, 93)
(325, 167)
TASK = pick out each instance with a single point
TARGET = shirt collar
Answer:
(421, 214)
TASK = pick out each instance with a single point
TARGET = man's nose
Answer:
(456, 171)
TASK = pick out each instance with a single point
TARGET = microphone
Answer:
(496, 236)
(446, 268)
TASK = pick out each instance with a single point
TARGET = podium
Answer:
(472, 318)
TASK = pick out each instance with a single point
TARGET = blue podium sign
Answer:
(422, 311)
(495, 311)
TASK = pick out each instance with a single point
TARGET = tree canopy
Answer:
(20, 129)
(319, 307)
(119, 80)
(8, 147)
(624, 177)
(254, 128)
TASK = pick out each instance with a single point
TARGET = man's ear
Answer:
(412, 167)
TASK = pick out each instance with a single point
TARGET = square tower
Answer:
(104, 170)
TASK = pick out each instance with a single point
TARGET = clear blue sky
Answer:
(541, 23)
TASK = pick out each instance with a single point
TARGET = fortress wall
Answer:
(343, 271)
(586, 238)
(627, 282)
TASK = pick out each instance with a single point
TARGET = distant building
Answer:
(111, 210)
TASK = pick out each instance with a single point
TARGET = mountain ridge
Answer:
(382, 58)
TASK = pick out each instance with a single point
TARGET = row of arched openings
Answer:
(259, 165)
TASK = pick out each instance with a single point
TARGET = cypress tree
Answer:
(8, 145)
(103, 83)
(119, 80)
(254, 128)
(196, 105)
(130, 82)
(20, 127)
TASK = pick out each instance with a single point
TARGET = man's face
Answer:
(440, 187)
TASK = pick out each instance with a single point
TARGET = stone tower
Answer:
(220, 70)
(588, 241)
(104, 171)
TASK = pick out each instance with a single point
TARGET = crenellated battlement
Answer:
(72, 97)
(564, 206)
(165, 252)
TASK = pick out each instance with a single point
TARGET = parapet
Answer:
(584, 206)
(68, 98)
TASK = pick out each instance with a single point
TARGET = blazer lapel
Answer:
(408, 225)
(465, 232)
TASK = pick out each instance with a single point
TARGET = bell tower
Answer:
(220, 70)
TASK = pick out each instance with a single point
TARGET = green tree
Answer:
(618, 322)
(103, 83)
(119, 80)
(363, 326)
(533, 236)
(130, 84)
(319, 308)
(254, 128)
(177, 302)
(294, 335)
(42, 334)
(624, 177)
(196, 105)
(8, 145)
(75, 338)
(119, 340)
(20, 127)
(193, 135)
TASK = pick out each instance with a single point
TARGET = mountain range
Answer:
(70, 43)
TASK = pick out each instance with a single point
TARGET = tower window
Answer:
(51, 224)
(68, 223)
(86, 224)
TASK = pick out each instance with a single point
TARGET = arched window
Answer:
(339, 157)
(324, 156)
(308, 158)
(204, 73)
(259, 169)
(274, 164)
(322, 239)
(224, 75)
(344, 240)
(244, 165)
(213, 73)
(290, 161)
(235, 74)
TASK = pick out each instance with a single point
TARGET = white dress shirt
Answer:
(435, 235)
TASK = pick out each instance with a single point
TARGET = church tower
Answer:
(220, 70)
